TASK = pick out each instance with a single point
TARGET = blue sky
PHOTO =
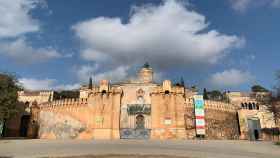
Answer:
(223, 44)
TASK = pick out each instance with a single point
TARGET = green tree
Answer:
(66, 94)
(9, 86)
(258, 88)
(275, 108)
(182, 82)
(215, 95)
(194, 88)
(90, 83)
(205, 94)
(277, 87)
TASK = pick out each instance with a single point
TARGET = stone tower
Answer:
(145, 74)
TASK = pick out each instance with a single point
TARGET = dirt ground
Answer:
(122, 156)
(39, 148)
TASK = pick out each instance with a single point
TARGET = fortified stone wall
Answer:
(168, 112)
(67, 118)
(76, 119)
(220, 118)
(94, 118)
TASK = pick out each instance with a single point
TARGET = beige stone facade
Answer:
(142, 109)
(35, 96)
(253, 113)
(136, 109)
(18, 125)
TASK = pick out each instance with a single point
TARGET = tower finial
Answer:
(146, 65)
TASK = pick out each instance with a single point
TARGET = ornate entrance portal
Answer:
(136, 121)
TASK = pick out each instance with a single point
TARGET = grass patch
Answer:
(277, 143)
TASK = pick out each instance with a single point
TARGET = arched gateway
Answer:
(137, 128)
(135, 119)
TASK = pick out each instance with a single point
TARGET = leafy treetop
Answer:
(9, 86)
(258, 88)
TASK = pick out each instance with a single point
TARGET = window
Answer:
(103, 92)
(250, 106)
(140, 122)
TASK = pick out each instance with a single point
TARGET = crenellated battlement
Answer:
(167, 88)
(65, 103)
(214, 105)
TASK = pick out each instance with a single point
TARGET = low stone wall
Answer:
(190, 120)
(64, 119)
(221, 120)
(270, 134)
(221, 124)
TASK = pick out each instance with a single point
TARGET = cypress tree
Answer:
(205, 95)
(182, 82)
(90, 83)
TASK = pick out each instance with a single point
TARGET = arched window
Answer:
(258, 107)
(250, 106)
(103, 92)
(254, 106)
(242, 106)
(246, 106)
(140, 122)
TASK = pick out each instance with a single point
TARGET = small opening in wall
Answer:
(26, 104)
(246, 106)
(250, 106)
(258, 107)
(238, 123)
(103, 92)
(254, 106)
(166, 92)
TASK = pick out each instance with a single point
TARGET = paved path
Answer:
(189, 148)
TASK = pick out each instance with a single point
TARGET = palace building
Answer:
(142, 109)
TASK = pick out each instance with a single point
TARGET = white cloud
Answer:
(23, 53)
(45, 84)
(230, 78)
(240, 5)
(243, 5)
(34, 84)
(16, 19)
(67, 86)
(86, 71)
(115, 75)
(168, 35)
(275, 3)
